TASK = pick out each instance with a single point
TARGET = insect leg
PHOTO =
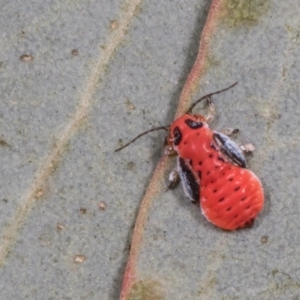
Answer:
(211, 111)
(173, 179)
(190, 182)
(247, 148)
(229, 131)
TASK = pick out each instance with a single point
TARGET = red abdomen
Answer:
(230, 196)
(234, 200)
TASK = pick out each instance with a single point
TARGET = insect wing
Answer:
(229, 149)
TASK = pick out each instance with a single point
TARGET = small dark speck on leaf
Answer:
(26, 57)
(130, 165)
(3, 143)
(130, 106)
(60, 226)
(82, 210)
(114, 24)
(79, 258)
(264, 239)
(40, 193)
(74, 52)
(102, 206)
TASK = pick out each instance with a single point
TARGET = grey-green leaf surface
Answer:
(97, 72)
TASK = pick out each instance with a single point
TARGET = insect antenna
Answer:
(141, 134)
(208, 96)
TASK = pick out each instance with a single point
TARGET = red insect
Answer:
(212, 169)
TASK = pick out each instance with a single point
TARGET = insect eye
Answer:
(177, 136)
(193, 124)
